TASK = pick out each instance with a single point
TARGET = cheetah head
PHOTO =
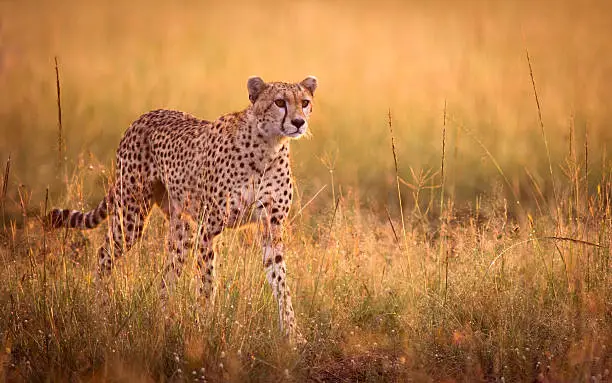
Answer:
(282, 110)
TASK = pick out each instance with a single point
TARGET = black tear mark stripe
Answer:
(284, 117)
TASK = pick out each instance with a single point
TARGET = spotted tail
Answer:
(77, 219)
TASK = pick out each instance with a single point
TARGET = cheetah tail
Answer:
(76, 219)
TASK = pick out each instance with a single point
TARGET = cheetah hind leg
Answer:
(124, 230)
(205, 276)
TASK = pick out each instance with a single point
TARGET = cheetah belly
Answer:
(245, 206)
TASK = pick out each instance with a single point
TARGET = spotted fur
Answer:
(206, 176)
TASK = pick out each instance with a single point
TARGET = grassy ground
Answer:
(497, 267)
(476, 295)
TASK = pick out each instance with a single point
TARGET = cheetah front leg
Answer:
(276, 273)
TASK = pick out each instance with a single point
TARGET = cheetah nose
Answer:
(297, 122)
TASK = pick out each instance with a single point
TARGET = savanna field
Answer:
(452, 219)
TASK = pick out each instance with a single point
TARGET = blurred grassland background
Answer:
(120, 59)
(459, 290)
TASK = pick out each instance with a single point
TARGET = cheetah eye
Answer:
(305, 103)
(280, 103)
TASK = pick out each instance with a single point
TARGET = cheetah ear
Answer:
(310, 83)
(255, 85)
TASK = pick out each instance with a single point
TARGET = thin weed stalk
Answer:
(60, 128)
(442, 161)
(586, 203)
(44, 283)
(586, 167)
(573, 207)
(552, 178)
(303, 207)
(397, 241)
(574, 170)
(23, 204)
(537, 195)
(399, 192)
(5, 180)
(329, 162)
(442, 218)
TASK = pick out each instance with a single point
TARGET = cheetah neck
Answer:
(269, 147)
(252, 154)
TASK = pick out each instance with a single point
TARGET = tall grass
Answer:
(519, 303)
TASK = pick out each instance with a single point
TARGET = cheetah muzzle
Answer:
(206, 176)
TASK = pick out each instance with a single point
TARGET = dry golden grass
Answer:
(475, 297)
(495, 275)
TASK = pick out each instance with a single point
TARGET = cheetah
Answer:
(206, 176)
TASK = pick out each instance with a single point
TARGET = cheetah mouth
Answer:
(295, 134)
